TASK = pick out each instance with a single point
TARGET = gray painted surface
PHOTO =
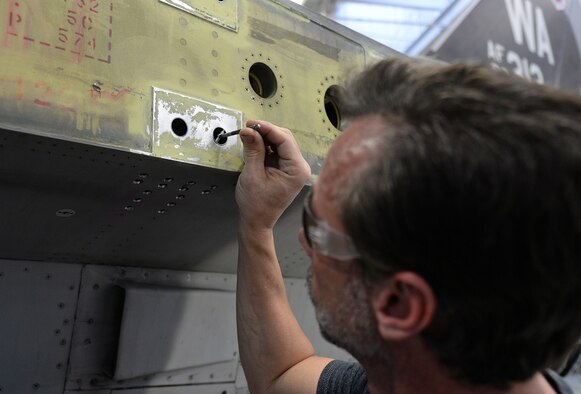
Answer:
(185, 328)
(205, 389)
(99, 320)
(37, 309)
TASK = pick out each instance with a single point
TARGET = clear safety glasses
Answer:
(320, 236)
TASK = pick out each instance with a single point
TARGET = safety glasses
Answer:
(320, 236)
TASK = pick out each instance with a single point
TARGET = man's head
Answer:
(471, 181)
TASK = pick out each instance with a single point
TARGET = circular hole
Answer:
(332, 107)
(219, 140)
(262, 80)
(179, 127)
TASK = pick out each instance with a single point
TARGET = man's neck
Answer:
(414, 370)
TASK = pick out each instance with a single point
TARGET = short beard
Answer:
(351, 325)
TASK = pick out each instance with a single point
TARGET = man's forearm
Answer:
(269, 337)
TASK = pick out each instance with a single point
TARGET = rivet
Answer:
(137, 199)
(147, 192)
(36, 386)
(137, 181)
(143, 175)
(191, 183)
(59, 366)
(171, 204)
(57, 332)
(61, 305)
(206, 192)
(129, 208)
(178, 197)
(161, 211)
(65, 213)
(183, 189)
(63, 342)
(162, 185)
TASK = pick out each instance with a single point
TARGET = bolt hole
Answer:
(219, 140)
(332, 107)
(179, 127)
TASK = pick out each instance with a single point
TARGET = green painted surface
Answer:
(87, 70)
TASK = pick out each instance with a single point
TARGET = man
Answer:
(444, 232)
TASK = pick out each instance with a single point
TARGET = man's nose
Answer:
(304, 243)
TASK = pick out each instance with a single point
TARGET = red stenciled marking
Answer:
(75, 53)
(13, 34)
(61, 48)
(44, 43)
(109, 46)
(68, 109)
(29, 39)
(110, 33)
(108, 61)
(42, 103)
(19, 93)
(41, 100)
(90, 57)
(119, 94)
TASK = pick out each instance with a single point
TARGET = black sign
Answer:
(530, 38)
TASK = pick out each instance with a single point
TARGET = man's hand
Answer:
(273, 175)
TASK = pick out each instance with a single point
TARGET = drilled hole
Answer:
(179, 127)
(217, 132)
(262, 80)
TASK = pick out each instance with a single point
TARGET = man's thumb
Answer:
(254, 150)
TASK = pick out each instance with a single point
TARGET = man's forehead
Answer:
(353, 148)
(357, 143)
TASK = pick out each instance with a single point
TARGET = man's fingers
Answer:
(281, 139)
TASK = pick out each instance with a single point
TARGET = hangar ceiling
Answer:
(404, 25)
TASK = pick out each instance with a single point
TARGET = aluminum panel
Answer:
(222, 12)
(37, 305)
(184, 130)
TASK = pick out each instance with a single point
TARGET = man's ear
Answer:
(404, 306)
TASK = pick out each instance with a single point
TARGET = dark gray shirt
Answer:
(340, 377)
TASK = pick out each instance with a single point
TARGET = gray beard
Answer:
(351, 325)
